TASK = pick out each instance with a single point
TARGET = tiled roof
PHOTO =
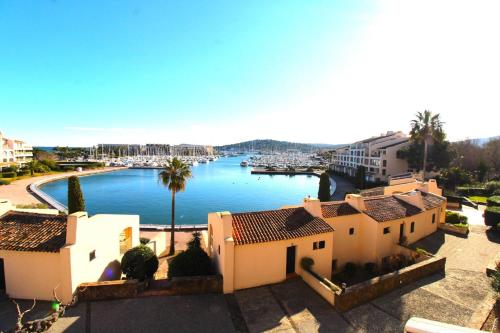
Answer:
(20, 231)
(275, 225)
(394, 144)
(388, 208)
(334, 209)
(431, 200)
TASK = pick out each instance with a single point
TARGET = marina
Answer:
(216, 186)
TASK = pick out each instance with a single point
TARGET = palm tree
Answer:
(175, 176)
(426, 128)
(32, 166)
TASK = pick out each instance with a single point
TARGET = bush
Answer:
(4, 182)
(144, 240)
(10, 169)
(9, 174)
(350, 269)
(493, 201)
(371, 268)
(492, 188)
(492, 215)
(306, 263)
(139, 263)
(455, 218)
(192, 262)
(495, 281)
(23, 172)
(51, 164)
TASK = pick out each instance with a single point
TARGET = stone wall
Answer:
(454, 229)
(371, 289)
(104, 290)
(117, 289)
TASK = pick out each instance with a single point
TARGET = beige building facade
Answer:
(14, 151)
(41, 250)
(378, 155)
(259, 248)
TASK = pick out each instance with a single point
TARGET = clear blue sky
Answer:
(83, 72)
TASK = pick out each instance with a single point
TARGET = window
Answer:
(384, 163)
(383, 172)
(412, 227)
(387, 230)
(319, 245)
(351, 231)
(218, 249)
(92, 255)
(334, 265)
(433, 218)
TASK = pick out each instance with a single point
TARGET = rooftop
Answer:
(431, 200)
(20, 231)
(334, 209)
(386, 208)
(394, 144)
(275, 225)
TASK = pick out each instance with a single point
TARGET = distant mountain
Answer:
(481, 141)
(274, 146)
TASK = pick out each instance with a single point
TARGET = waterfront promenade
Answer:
(17, 192)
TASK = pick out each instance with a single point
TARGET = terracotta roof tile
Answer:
(20, 231)
(431, 200)
(388, 208)
(275, 225)
(334, 209)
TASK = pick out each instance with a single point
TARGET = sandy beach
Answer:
(17, 191)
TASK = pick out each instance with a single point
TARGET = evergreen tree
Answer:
(324, 187)
(75, 196)
(360, 177)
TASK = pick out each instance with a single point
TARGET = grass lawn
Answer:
(478, 199)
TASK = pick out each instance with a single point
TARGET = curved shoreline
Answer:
(26, 191)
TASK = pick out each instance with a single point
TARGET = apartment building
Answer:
(378, 155)
(258, 248)
(14, 151)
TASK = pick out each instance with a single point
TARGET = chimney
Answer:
(313, 207)
(72, 226)
(227, 224)
(5, 206)
(356, 201)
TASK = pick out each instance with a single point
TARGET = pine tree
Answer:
(75, 196)
(324, 187)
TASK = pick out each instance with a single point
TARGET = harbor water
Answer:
(222, 185)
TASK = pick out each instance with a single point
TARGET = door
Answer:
(290, 259)
(401, 230)
(2, 276)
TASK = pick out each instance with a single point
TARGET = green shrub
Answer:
(4, 182)
(492, 188)
(371, 268)
(144, 240)
(493, 201)
(9, 174)
(495, 281)
(23, 172)
(76, 203)
(51, 164)
(455, 218)
(10, 169)
(492, 215)
(350, 269)
(306, 263)
(467, 191)
(139, 263)
(192, 262)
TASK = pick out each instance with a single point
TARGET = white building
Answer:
(41, 250)
(13, 151)
(378, 155)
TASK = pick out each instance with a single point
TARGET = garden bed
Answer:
(461, 229)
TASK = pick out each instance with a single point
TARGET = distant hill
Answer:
(481, 141)
(274, 146)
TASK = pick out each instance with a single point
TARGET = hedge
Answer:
(492, 215)
(471, 191)
(493, 201)
(9, 174)
(4, 182)
(455, 218)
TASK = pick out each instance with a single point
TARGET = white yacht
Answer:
(244, 163)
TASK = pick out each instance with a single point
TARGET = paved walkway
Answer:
(462, 296)
(17, 191)
(342, 186)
